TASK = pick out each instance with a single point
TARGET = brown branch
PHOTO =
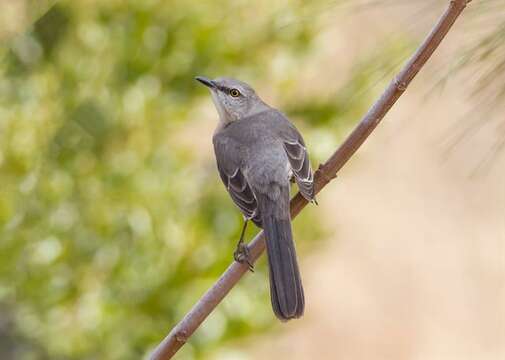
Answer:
(326, 172)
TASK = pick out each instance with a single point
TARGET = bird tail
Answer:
(286, 289)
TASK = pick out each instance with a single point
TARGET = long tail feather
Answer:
(286, 290)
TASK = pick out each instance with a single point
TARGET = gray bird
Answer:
(258, 152)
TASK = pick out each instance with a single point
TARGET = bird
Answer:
(258, 153)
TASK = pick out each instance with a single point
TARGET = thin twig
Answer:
(326, 172)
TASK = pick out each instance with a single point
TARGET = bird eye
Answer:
(234, 93)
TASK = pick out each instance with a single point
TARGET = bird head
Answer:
(233, 99)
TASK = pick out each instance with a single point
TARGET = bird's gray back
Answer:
(255, 144)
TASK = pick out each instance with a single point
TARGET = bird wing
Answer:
(228, 163)
(299, 160)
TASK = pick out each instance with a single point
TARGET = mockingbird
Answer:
(258, 152)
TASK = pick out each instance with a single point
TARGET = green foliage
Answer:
(110, 230)
(111, 224)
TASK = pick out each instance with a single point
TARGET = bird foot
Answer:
(242, 255)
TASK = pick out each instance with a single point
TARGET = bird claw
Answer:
(241, 255)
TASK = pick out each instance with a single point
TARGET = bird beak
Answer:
(207, 82)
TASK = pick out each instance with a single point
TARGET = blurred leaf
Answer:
(112, 218)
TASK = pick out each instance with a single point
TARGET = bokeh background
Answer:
(113, 220)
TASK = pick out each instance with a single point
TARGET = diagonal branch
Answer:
(326, 172)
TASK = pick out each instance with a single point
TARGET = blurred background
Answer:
(113, 220)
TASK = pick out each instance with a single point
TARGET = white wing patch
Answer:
(300, 165)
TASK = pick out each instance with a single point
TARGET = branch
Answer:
(326, 172)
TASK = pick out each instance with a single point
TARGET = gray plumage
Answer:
(257, 151)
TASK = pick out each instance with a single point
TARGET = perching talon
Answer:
(241, 255)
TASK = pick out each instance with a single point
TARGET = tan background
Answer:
(415, 268)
